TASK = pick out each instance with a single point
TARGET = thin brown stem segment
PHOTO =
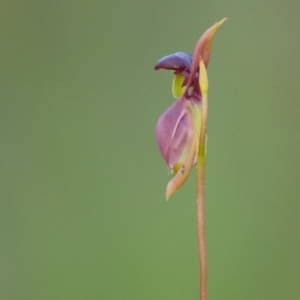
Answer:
(201, 228)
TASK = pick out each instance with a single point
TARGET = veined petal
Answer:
(171, 132)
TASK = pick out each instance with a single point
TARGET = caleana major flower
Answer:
(181, 130)
(178, 130)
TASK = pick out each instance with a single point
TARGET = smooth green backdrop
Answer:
(82, 209)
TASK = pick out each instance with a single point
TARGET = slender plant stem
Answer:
(201, 229)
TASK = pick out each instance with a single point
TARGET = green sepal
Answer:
(195, 110)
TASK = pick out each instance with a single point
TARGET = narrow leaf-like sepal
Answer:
(195, 110)
(203, 49)
(203, 80)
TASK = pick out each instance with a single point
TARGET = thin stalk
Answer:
(201, 229)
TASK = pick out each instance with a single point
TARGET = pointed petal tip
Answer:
(222, 21)
(182, 175)
(174, 185)
(203, 48)
(170, 190)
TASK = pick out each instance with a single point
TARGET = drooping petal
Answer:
(190, 151)
(177, 135)
(179, 61)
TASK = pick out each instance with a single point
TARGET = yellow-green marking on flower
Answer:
(177, 88)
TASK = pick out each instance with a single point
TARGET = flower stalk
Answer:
(201, 229)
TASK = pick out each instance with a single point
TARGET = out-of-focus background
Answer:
(82, 208)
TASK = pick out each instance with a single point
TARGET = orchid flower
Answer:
(179, 129)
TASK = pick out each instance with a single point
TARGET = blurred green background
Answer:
(82, 209)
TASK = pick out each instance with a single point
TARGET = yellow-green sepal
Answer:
(195, 110)
(203, 80)
(177, 88)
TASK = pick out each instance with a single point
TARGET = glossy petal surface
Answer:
(179, 61)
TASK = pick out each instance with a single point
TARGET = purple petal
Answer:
(172, 132)
(179, 61)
